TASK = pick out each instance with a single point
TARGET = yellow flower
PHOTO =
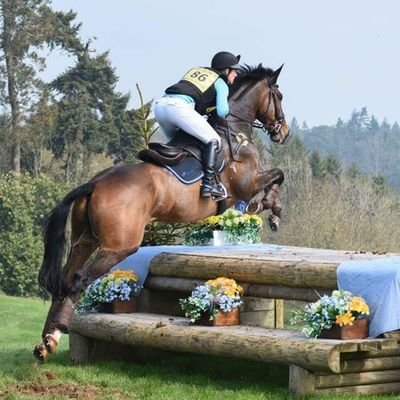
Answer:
(230, 287)
(124, 274)
(230, 291)
(256, 219)
(358, 304)
(213, 220)
(346, 319)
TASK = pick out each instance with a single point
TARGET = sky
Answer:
(339, 55)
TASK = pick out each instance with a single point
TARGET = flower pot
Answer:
(119, 306)
(229, 318)
(220, 238)
(359, 330)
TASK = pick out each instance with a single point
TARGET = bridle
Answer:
(279, 115)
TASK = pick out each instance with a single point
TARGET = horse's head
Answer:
(263, 101)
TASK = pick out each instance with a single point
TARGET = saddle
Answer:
(182, 156)
(174, 152)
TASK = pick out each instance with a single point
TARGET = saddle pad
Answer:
(188, 171)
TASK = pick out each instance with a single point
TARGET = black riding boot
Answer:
(210, 187)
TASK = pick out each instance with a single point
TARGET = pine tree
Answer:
(333, 166)
(318, 167)
(90, 112)
(27, 26)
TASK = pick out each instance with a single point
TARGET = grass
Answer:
(177, 376)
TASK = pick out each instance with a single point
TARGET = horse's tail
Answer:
(50, 274)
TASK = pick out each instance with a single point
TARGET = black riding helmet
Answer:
(224, 59)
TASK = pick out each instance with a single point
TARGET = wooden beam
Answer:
(304, 274)
(357, 378)
(301, 381)
(379, 388)
(175, 333)
(186, 285)
(370, 364)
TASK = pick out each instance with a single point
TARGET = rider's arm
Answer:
(222, 92)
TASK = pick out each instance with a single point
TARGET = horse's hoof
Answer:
(273, 222)
(40, 352)
(50, 342)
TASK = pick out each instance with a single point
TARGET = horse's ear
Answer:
(259, 65)
(275, 75)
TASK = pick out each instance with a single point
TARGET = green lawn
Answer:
(174, 377)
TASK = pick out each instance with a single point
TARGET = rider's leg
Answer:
(162, 116)
(210, 185)
(172, 111)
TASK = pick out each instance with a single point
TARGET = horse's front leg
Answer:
(267, 196)
(273, 202)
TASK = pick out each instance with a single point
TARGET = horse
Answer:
(110, 212)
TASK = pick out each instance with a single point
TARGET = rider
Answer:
(200, 91)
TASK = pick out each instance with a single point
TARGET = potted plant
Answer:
(114, 292)
(339, 316)
(231, 227)
(216, 302)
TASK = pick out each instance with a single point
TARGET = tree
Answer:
(90, 112)
(333, 166)
(380, 184)
(354, 172)
(135, 132)
(26, 27)
(40, 127)
(318, 167)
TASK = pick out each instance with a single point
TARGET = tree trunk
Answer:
(11, 67)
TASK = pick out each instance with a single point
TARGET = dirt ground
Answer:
(53, 388)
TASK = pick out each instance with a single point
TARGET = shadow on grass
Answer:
(195, 370)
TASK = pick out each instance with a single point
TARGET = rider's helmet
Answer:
(224, 59)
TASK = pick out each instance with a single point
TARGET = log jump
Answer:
(369, 366)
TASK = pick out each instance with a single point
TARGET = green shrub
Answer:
(25, 202)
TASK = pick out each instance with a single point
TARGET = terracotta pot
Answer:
(119, 306)
(223, 319)
(359, 330)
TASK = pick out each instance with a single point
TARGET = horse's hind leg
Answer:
(83, 245)
(83, 241)
(123, 243)
(61, 311)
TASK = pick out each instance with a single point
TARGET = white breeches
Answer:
(173, 113)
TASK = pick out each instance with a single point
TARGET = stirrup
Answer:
(214, 192)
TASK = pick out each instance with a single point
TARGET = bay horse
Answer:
(110, 212)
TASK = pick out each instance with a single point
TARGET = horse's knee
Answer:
(271, 197)
(277, 176)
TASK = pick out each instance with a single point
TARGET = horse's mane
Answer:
(250, 74)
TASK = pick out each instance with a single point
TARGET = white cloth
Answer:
(173, 113)
(378, 283)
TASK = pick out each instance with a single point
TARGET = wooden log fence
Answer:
(369, 366)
